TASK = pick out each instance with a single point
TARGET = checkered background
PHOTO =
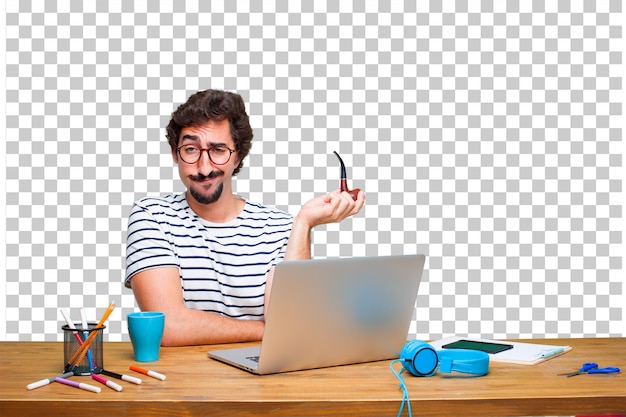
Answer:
(486, 134)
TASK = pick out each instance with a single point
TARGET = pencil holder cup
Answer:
(75, 358)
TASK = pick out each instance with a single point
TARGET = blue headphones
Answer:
(421, 359)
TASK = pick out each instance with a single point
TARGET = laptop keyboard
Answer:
(253, 358)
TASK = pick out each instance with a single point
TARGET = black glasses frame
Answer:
(208, 151)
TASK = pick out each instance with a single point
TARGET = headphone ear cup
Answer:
(419, 358)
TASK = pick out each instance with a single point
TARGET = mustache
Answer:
(202, 177)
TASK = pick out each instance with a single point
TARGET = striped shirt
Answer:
(223, 266)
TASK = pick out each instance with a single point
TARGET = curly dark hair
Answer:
(214, 105)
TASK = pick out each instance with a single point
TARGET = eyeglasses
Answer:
(219, 155)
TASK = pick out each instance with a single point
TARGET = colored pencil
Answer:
(82, 350)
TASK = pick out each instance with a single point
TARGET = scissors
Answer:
(592, 368)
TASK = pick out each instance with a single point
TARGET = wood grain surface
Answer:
(199, 386)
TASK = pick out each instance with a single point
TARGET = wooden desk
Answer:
(197, 385)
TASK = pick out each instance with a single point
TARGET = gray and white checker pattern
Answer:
(486, 134)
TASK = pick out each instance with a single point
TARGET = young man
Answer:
(206, 257)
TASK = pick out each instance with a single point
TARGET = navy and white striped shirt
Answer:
(223, 266)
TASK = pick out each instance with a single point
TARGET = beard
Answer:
(212, 197)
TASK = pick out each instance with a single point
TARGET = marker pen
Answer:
(46, 381)
(126, 378)
(106, 382)
(153, 374)
(80, 385)
(85, 324)
(548, 353)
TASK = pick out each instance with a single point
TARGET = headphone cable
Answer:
(405, 391)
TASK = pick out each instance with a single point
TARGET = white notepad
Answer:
(522, 353)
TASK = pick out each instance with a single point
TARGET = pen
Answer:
(46, 381)
(106, 382)
(70, 324)
(81, 351)
(548, 353)
(83, 318)
(80, 385)
(126, 378)
(153, 374)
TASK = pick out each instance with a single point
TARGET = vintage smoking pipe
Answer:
(344, 183)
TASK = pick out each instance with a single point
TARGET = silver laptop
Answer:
(337, 311)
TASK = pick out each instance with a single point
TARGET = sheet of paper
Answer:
(522, 353)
